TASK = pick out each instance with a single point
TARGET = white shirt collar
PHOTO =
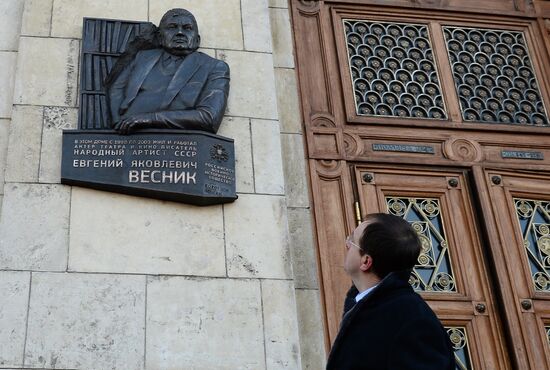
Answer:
(364, 293)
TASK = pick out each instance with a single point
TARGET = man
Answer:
(173, 86)
(387, 326)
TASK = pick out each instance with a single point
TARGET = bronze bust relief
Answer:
(150, 107)
(169, 84)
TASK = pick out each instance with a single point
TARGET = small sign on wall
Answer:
(191, 167)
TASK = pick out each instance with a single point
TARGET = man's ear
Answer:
(366, 263)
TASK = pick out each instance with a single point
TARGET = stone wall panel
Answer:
(37, 18)
(34, 227)
(25, 138)
(219, 20)
(47, 71)
(295, 170)
(257, 237)
(67, 14)
(268, 167)
(288, 101)
(10, 13)
(86, 321)
(252, 84)
(278, 3)
(310, 319)
(125, 234)
(302, 246)
(280, 326)
(238, 128)
(257, 31)
(14, 287)
(4, 134)
(56, 119)
(283, 44)
(8, 61)
(204, 324)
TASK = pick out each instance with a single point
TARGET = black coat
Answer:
(391, 329)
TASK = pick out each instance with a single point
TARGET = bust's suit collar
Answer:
(146, 60)
(185, 71)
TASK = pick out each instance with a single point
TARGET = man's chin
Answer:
(180, 51)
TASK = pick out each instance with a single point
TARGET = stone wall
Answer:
(97, 280)
(297, 190)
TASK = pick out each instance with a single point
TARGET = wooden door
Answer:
(451, 274)
(520, 205)
(433, 85)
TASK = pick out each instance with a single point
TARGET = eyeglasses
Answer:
(349, 241)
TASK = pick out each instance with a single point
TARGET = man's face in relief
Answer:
(179, 35)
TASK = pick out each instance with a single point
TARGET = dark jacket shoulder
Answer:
(391, 329)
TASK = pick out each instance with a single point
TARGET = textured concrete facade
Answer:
(98, 280)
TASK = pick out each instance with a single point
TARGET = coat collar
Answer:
(393, 281)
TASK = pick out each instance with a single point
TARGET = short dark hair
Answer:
(391, 242)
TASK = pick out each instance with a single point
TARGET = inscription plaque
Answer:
(522, 155)
(184, 166)
(423, 149)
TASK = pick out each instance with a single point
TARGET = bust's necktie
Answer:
(170, 63)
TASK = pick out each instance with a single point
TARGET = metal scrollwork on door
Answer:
(433, 272)
(459, 340)
(547, 328)
(534, 221)
(494, 76)
(393, 70)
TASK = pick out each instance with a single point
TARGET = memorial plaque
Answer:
(517, 154)
(407, 148)
(184, 166)
(151, 105)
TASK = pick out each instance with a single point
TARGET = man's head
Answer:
(382, 244)
(179, 32)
